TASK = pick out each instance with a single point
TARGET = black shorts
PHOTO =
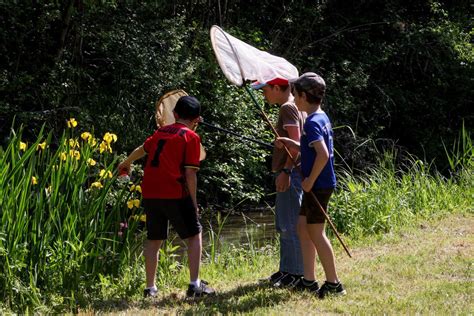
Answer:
(180, 212)
(311, 210)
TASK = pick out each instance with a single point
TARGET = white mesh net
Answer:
(240, 61)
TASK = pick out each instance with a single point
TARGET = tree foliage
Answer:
(397, 70)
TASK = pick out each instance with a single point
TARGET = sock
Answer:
(196, 283)
(152, 288)
(308, 282)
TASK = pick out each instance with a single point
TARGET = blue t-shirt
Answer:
(317, 127)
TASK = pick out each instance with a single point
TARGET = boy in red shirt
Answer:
(169, 191)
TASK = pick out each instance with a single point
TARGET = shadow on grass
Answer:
(241, 299)
(110, 305)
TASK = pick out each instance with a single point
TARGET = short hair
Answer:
(282, 87)
(309, 97)
(188, 107)
(312, 84)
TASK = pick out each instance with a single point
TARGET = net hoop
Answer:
(164, 112)
(241, 62)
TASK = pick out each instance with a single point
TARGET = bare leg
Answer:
(194, 255)
(151, 260)
(325, 251)
(307, 249)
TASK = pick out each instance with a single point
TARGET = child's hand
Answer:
(282, 141)
(287, 142)
(307, 184)
(282, 182)
(278, 143)
(123, 167)
(196, 122)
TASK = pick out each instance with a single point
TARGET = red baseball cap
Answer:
(276, 81)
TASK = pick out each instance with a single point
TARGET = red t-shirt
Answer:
(170, 149)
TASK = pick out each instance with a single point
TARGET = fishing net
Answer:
(164, 112)
(240, 61)
(165, 106)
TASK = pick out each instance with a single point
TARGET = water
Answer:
(255, 227)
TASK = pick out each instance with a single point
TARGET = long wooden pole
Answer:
(314, 198)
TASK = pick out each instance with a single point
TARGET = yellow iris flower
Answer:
(63, 156)
(141, 217)
(133, 203)
(75, 153)
(34, 181)
(91, 162)
(23, 146)
(86, 135)
(97, 185)
(104, 146)
(71, 123)
(109, 138)
(137, 188)
(92, 141)
(105, 173)
(73, 143)
(41, 146)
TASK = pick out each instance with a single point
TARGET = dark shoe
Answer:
(289, 280)
(304, 285)
(331, 289)
(150, 293)
(199, 291)
(274, 278)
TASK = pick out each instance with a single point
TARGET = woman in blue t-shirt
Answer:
(317, 164)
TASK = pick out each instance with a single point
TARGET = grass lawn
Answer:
(427, 269)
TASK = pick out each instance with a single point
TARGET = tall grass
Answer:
(64, 221)
(461, 156)
(388, 196)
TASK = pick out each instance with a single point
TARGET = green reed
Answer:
(65, 220)
(461, 155)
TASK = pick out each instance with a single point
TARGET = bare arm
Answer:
(288, 142)
(282, 181)
(322, 157)
(293, 134)
(191, 182)
(136, 154)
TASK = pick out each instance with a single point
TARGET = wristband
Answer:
(287, 171)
